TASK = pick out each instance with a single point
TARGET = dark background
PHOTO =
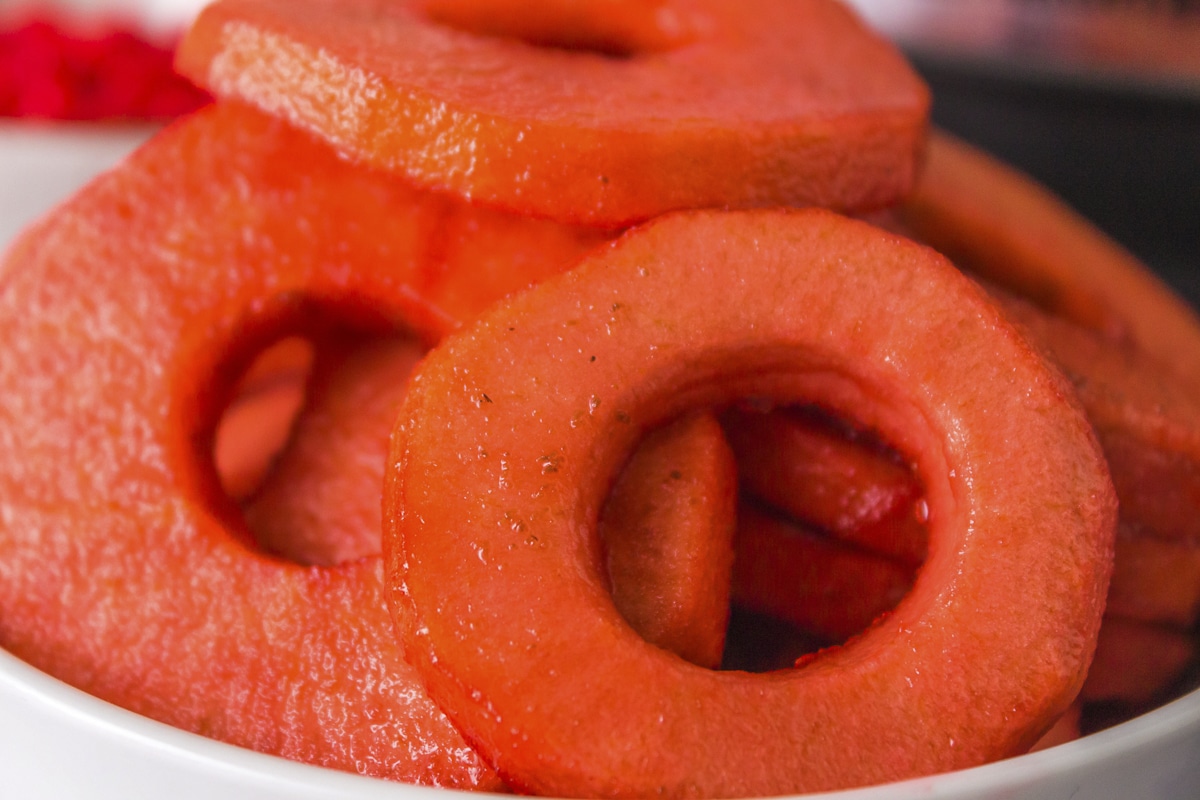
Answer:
(1126, 156)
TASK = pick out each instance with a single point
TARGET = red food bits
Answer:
(53, 69)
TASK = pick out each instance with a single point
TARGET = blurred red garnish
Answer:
(53, 70)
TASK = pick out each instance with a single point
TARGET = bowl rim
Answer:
(22, 683)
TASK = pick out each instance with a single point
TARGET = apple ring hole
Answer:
(615, 30)
(830, 534)
(828, 544)
(301, 449)
(256, 426)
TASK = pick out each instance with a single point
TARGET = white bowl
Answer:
(58, 742)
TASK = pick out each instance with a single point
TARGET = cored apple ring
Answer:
(609, 111)
(126, 317)
(513, 430)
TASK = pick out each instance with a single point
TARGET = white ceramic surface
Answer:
(41, 163)
(154, 16)
(56, 742)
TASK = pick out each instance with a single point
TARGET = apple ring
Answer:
(534, 663)
(127, 316)
(635, 108)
